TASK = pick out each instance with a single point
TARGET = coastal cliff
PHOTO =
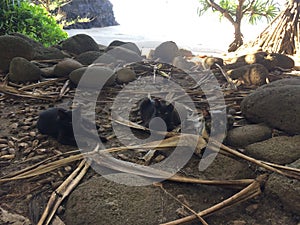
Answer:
(100, 13)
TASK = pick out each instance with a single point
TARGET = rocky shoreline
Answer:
(261, 89)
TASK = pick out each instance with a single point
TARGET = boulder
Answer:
(48, 72)
(100, 13)
(185, 53)
(166, 51)
(88, 58)
(277, 104)
(94, 76)
(254, 74)
(65, 67)
(128, 45)
(125, 75)
(123, 54)
(21, 70)
(280, 150)
(252, 57)
(248, 134)
(270, 61)
(210, 62)
(41, 52)
(105, 202)
(49, 53)
(287, 190)
(80, 43)
(12, 46)
(224, 167)
(283, 61)
(182, 63)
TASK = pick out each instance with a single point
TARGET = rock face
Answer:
(99, 11)
(21, 70)
(10, 47)
(248, 134)
(80, 43)
(276, 104)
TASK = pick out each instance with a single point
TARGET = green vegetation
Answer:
(31, 20)
(234, 11)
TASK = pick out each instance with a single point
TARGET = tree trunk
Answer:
(282, 35)
(238, 38)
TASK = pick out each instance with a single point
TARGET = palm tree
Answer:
(282, 35)
(234, 11)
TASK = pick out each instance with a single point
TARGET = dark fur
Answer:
(57, 122)
(150, 108)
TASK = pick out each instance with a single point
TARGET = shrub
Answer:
(31, 20)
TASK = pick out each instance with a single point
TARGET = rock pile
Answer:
(270, 106)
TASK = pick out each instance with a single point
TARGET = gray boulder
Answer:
(248, 134)
(65, 67)
(128, 45)
(277, 104)
(41, 52)
(105, 202)
(254, 74)
(94, 77)
(123, 54)
(49, 53)
(10, 47)
(280, 150)
(224, 168)
(21, 70)
(182, 63)
(88, 58)
(166, 52)
(80, 43)
(287, 190)
(48, 72)
(125, 75)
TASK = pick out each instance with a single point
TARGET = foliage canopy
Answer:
(31, 20)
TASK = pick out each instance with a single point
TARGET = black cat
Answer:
(152, 107)
(57, 122)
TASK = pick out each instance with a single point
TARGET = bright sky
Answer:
(177, 20)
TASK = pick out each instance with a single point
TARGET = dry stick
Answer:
(37, 164)
(250, 191)
(183, 204)
(40, 84)
(250, 159)
(43, 168)
(62, 192)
